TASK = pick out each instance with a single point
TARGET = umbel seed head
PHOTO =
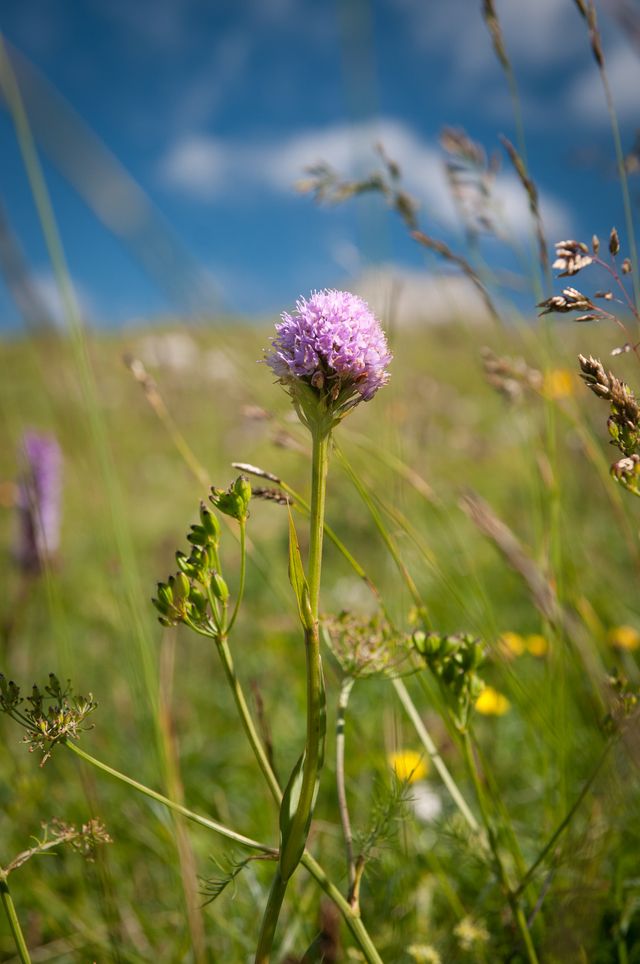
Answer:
(330, 354)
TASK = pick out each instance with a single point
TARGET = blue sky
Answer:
(187, 122)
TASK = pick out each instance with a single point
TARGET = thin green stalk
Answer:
(343, 702)
(388, 541)
(353, 920)
(172, 805)
(564, 823)
(14, 923)
(319, 468)
(293, 842)
(270, 918)
(513, 900)
(410, 707)
(247, 720)
(622, 174)
(351, 916)
(243, 573)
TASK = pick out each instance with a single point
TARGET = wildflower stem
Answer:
(412, 712)
(247, 720)
(243, 573)
(14, 923)
(297, 826)
(510, 894)
(270, 918)
(320, 464)
(350, 914)
(352, 920)
(172, 805)
(343, 701)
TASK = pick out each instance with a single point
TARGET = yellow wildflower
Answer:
(537, 644)
(408, 765)
(492, 703)
(511, 644)
(558, 383)
(624, 637)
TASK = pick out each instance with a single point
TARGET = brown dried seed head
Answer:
(614, 242)
(626, 266)
(595, 244)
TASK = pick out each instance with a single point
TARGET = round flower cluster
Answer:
(334, 343)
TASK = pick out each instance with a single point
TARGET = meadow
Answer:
(464, 784)
(437, 434)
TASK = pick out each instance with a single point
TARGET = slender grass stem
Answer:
(343, 702)
(14, 923)
(501, 873)
(172, 805)
(412, 712)
(564, 823)
(386, 538)
(624, 183)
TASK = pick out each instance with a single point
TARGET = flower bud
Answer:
(197, 536)
(219, 587)
(181, 588)
(210, 523)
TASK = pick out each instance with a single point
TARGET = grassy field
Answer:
(439, 433)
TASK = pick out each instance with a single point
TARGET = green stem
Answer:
(243, 573)
(352, 919)
(293, 843)
(350, 915)
(270, 918)
(353, 922)
(246, 718)
(172, 805)
(343, 702)
(14, 923)
(511, 896)
(319, 467)
(432, 750)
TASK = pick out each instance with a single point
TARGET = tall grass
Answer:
(483, 532)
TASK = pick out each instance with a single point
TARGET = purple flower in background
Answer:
(333, 343)
(38, 500)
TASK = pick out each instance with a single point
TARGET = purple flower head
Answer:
(38, 500)
(334, 344)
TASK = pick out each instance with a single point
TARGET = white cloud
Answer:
(203, 167)
(585, 96)
(412, 297)
(536, 34)
(196, 165)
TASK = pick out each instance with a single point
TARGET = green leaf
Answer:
(290, 800)
(297, 578)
